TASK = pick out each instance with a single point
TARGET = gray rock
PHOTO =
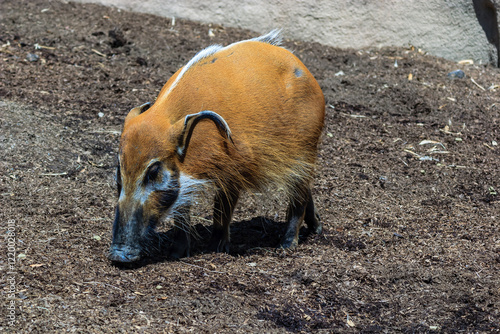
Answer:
(31, 57)
(457, 74)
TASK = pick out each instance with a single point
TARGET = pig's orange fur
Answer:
(274, 108)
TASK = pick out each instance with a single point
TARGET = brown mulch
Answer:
(408, 187)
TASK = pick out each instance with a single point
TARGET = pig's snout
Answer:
(124, 254)
(126, 245)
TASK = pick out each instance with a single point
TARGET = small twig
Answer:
(447, 131)
(415, 154)
(96, 165)
(54, 174)
(425, 142)
(353, 115)
(94, 219)
(488, 146)
(38, 47)
(99, 53)
(456, 166)
(475, 83)
(438, 152)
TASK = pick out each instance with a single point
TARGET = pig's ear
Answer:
(137, 111)
(184, 136)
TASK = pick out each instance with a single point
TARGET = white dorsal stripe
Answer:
(273, 37)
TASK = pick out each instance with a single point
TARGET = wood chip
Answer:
(411, 152)
(99, 53)
(54, 174)
(38, 47)
(488, 146)
(475, 83)
(427, 141)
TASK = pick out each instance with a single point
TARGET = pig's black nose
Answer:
(124, 254)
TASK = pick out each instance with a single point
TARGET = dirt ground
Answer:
(408, 187)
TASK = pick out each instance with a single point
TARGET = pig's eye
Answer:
(153, 172)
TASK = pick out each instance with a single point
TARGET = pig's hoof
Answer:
(289, 243)
(317, 228)
(314, 223)
(218, 245)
